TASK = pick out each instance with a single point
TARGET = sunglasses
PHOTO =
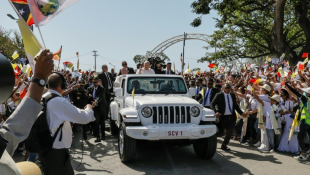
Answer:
(227, 87)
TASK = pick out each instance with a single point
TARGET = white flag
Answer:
(43, 11)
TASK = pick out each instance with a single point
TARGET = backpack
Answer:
(39, 138)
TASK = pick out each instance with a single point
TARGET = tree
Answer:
(257, 28)
(10, 41)
(140, 58)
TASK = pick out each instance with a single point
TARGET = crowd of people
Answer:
(262, 105)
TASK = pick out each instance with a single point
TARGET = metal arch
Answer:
(169, 42)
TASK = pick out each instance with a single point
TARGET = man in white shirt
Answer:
(146, 69)
(60, 111)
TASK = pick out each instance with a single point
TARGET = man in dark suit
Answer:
(168, 69)
(79, 99)
(198, 87)
(89, 83)
(106, 78)
(98, 94)
(129, 69)
(224, 105)
(209, 94)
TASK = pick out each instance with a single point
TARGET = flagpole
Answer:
(41, 36)
(15, 9)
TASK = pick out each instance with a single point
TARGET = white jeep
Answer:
(160, 109)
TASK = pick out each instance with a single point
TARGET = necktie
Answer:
(206, 98)
(109, 81)
(95, 94)
(198, 90)
(229, 104)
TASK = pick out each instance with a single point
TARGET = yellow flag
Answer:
(203, 94)
(13, 65)
(20, 66)
(252, 88)
(279, 70)
(31, 44)
(306, 60)
(267, 59)
(293, 75)
(258, 81)
(15, 55)
(133, 92)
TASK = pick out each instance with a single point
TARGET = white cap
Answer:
(306, 90)
(276, 98)
(266, 87)
(304, 85)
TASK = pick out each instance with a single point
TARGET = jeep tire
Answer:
(205, 148)
(126, 145)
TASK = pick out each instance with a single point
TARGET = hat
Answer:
(218, 85)
(304, 85)
(306, 90)
(266, 87)
(28, 168)
(276, 98)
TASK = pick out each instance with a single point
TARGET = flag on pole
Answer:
(23, 93)
(31, 44)
(57, 55)
(22, 9)
(304, 55)
(15, 55)
(78, 61)
(44, 11)
(67, 64)
(211, 65)
(181, 59)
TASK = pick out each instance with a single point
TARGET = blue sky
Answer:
(120, 29)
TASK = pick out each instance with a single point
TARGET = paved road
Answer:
(102, 158)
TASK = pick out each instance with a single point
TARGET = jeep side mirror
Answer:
(118, 92)
(192, 92)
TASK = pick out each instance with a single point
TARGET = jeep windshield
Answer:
(156, 85)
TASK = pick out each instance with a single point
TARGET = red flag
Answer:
(252, 80)
(301, 67)
(304, 55)
(211, 65)
(23, 93)
(278, 74)
(77, 53)
(270, 69)
(57, 55)
(283, 83)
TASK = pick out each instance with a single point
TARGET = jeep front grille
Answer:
(171, 114)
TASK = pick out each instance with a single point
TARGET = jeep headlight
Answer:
(195, 111)
(146, 112)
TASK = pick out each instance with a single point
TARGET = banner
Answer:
(43, 11)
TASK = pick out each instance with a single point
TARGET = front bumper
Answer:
(157, 132)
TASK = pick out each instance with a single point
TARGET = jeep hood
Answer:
(160, 100)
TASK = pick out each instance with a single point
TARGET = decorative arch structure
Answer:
(169, 42)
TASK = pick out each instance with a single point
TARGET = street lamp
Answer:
(112, 65)
(12, 17)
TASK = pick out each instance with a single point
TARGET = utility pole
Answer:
(185, 35)
(95, 55)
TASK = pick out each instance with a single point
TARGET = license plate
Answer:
(174, 133)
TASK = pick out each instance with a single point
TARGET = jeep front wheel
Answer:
(205, 148)
(126, 145)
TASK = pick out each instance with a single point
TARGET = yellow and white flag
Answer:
(31, 44)
(15, 55)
